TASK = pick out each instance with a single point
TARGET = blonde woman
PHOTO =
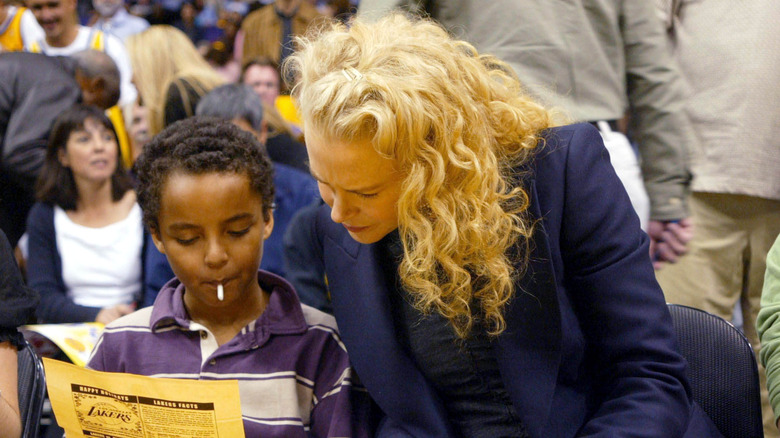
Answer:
(487, 271)
(170, 74)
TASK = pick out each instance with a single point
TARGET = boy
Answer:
(206, 191)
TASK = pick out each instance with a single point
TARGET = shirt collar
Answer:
(282, 316)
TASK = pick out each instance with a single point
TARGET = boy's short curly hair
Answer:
(201, 145)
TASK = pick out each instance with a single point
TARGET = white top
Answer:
(113, 47)
(101, 267)
(28, 27)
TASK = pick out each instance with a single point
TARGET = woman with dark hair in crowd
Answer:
(85, 232)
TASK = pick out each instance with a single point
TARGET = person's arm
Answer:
(96, 359)
(640, 375)
(660, 125)
(659, 122)
(303, 262)
(30, 29)
(157, 271)
(768, 325)
(10, 421)
(44, 272)
(28, 107)
(343, 406)
(116, 50)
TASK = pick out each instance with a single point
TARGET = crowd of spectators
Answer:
(86, 84)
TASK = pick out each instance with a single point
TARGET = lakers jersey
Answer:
(11, 31)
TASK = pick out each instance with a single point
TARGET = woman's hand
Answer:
(108, 314)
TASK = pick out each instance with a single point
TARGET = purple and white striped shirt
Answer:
(292, 369)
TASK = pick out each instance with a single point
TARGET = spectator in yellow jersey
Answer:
(17, 27)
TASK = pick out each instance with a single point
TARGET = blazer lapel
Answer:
(529, 350)
(361, 304)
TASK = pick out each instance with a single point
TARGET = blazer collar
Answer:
(361, 303)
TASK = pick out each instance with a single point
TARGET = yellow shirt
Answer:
(11, 36)
(97, 42)
(289, 112)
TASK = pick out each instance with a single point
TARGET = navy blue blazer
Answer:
(589, 347)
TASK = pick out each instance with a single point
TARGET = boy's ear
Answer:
(155, 233)
(269, 227)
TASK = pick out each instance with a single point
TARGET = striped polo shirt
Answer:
(292, 369)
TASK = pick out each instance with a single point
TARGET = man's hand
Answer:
(669, 240)
(108, 314)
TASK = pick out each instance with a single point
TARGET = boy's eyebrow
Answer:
(185, 226)
(181, 226)
(239, 217)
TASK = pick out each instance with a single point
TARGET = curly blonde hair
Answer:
(159, 55)
(458, 124)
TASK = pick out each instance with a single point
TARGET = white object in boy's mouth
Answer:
(220, 292)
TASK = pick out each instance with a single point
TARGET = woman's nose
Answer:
(340, 210)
